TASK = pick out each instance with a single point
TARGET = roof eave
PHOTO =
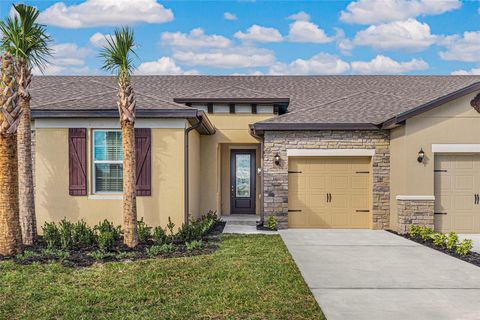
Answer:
(231, 100)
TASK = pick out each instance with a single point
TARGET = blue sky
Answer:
(269, 37)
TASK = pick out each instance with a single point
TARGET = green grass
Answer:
(249, 277)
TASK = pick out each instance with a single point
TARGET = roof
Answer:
(348, 101)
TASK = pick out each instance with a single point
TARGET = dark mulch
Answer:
(79, 257)
(472, 257)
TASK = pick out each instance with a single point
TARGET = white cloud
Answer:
(385, 65)
(93, 13)
(466, 48)
(98, 39)
(410, 35)
(229, 16)
(322, 63)
(236, 57)
(196, 38)
(306, 31)
(301, 15)
(471, 72)
(162, 66)
(259, 34)
(67, 58)
(380, 11)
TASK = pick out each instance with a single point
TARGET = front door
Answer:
(242, 181)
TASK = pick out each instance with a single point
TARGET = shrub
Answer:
(144, 231)
(159, 235)
(170, 227)
(107, 235)
(159, 249)
(464, 247)
(195, 244)
(452, 240)
(426, 233)
(83, 235)
(439, 239)
(272, 223)
(51, 236)
(415, 231)
(190, 231)
(65, 229)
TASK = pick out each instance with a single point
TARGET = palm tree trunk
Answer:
(129, 182)
(10, 230)
(25, 163)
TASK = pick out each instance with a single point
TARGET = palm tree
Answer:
(10, 230)
(28, 43)
(117, 58)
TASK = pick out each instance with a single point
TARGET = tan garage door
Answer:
(457, 186)
(329, 192)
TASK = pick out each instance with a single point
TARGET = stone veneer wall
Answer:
(418, 212)
(276, 177)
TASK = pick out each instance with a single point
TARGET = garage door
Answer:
(457, 186)
(329, 192)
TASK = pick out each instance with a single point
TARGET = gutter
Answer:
(186, 184)
(259, 138)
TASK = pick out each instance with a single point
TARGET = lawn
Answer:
(249, 277)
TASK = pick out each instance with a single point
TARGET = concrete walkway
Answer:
(243, 224)
(367, 274)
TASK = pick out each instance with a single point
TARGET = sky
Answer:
(268, 37)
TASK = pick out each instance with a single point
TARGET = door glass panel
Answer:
(242, 175)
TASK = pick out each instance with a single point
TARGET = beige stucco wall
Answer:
(455, 122)
(54, 203)
(231, 128)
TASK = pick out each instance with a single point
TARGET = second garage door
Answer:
(457, 193)
(329, 192)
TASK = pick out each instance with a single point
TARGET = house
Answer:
(378, 152)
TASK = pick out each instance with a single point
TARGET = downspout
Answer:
(262, 214)
(186, 182)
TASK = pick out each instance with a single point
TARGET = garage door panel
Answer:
(455, 187)
(338, 176)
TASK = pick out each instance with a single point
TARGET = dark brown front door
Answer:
(242, 181)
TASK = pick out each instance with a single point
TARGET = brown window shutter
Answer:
(144, 161)
(77, 162)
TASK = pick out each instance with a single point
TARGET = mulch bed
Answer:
(80, 258)
(472, 257)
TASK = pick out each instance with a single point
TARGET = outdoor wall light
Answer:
(277, 159)
(421, 155)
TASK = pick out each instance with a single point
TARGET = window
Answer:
(202, 107)
(107, 161)
(221, 108)
(243, 108)
(264, 108)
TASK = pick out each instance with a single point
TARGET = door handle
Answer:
(327, 197)
(330, 197)
(477, 198)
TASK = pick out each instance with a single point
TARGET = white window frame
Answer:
(94, 180)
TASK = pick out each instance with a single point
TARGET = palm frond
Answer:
(24, 38)
(117, 53)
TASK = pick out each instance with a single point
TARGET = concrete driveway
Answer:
(369, 274)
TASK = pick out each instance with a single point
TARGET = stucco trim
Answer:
(330, 152)
(456, 148)
(415, 198)
(105, 197)
(112, 123)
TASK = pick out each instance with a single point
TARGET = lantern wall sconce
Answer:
(277, 159)
(421, 155)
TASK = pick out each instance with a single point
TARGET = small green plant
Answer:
(107, 235)
(415, 231)
(439, 239)
(65, 229)
(83, 235)
(190, 231)
(51, 236)
(159, 235)
(144, 231)
(126, 255)
(464, 247)
(156, 250)
(272, 223)
(426, 233)
(170, 227)
(194, 245)
(26, 255)
(56, 253)
(100, 255)
(452, 240)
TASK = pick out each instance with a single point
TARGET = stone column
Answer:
(415, 210)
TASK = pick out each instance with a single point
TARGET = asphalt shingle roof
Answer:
(313, 99)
